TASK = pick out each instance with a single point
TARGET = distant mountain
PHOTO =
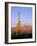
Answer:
(24, 29)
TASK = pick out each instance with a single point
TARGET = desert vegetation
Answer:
(25, 32)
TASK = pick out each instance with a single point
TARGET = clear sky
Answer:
(25, 15)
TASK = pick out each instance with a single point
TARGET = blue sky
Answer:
(25, 15)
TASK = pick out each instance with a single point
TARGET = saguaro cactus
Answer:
(19, 23)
